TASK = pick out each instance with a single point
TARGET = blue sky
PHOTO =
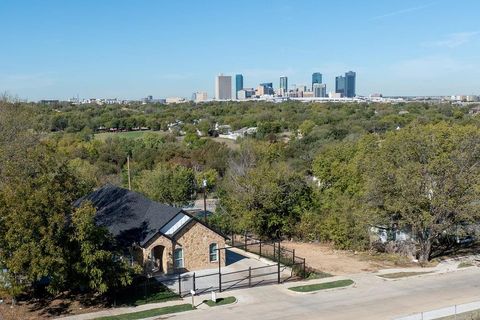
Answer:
(130, 49)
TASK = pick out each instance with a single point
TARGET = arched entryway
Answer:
(157, 256)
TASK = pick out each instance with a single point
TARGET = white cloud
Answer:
(454, 40)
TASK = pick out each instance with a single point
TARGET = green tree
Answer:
(169, 184)
(34, 211)
(37, 190)
(338, 169)
(426, 177)
(211, 176)
(94, 263)
(306, 127)
(267, 199)
(204, 126)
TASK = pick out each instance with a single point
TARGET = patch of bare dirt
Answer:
(324, 258)
(48, 308)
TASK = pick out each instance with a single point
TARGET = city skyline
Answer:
(111, 49)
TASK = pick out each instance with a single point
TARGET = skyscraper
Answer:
(319, 90)
(223, 87)
(350, 84)
(316, 78)
(238, 84)
(340, 85)
(283, 85)
(267, 88)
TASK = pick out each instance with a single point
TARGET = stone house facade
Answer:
(161, 238)
(199, 250)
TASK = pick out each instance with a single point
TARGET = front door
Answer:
(157, 254)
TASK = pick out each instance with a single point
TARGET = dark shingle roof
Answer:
(128, 215)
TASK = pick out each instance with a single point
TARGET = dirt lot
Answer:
(324, 258)
(46, 309)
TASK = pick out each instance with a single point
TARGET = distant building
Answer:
(50, 102)
(246, 93)
(265, 89)
(340, 85)
(174, 100)
(283, 85)
(268, 87)
(200, 96)
(335, 95)
(316, 78)
(307, 94)
(319, 90)
(223, 87)
(238, 84)
(260, 91)
(350, 78)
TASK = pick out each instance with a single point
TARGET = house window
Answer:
(213, 252)
(178, 258)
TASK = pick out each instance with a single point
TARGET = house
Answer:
(161, 238)
(384, 234)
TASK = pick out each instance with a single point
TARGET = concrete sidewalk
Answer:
(122, 310)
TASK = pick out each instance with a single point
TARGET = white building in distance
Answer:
(223, 87)
(201, 96)
(171, 100)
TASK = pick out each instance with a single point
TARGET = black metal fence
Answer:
(271, 250)
(280, 265)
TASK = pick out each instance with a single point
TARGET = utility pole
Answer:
(205, 199)
(128, 172)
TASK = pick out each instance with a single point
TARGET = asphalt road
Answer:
(370, 298)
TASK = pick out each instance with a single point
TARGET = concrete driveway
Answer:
(243, 269)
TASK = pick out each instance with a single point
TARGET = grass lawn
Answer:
(128, 135)
(142, 292)
(465, 264)
(150, 313)
(398, 275)
(220, 301)
(322, 286)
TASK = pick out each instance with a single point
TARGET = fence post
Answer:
(245, 240)
(145, 290)
(274, 251)
(220, 270)
(179, 284)
(304, 273)
(260, 254)
(194, 286)
(293, 260)
(278, 263)
(249, 276)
